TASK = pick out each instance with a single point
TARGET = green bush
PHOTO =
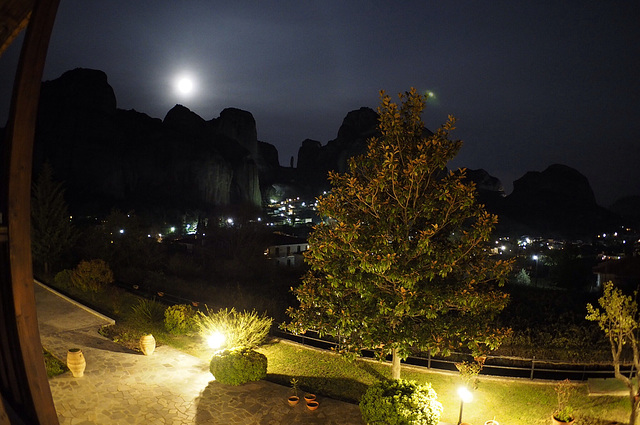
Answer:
(62, 279)
(180, 319)
(148, 311)
(53, 366)
(400, 402)
(238, 367)
(92, 276)
(241, 330)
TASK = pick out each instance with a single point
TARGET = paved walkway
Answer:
(120, 386)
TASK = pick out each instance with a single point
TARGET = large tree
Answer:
(400, 261)
(52, 234)
(619, 320)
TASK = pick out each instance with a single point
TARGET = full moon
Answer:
(184, 85)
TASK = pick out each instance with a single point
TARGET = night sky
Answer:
(531, 83)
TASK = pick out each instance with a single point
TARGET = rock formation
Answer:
(557, 201)
(109, 156)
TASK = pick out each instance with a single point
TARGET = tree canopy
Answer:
(399, 262)
(52, 234)
(619, 320)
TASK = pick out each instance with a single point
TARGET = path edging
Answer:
(76, 303)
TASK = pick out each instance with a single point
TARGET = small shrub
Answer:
(62, 279)
(92, 276)
(564, 391)
(180, 319)
(469, 371)
(400, 402)
(53, 366)
(238, 367)
(148, 311)
(242, 330)
(522, 278)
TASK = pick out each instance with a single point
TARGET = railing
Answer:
(494, 365)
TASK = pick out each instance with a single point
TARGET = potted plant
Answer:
(294, 399)
(564, 413)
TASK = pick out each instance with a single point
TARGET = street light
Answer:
(535, 258)
(465, 397)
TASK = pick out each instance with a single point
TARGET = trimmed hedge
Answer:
(180, 319)
(238, 367)
(401, 402)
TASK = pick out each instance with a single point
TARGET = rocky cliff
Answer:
(558, 201)
(111, 157)
(108, 156)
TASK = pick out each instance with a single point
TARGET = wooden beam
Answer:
(30, 397)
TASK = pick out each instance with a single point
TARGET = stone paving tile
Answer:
(169, 387)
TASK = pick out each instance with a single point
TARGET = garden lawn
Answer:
(511, 402)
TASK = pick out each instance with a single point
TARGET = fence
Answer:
(512, 367)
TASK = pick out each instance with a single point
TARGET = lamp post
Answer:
(535, 258)
(465, 397)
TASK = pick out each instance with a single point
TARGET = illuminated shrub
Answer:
(92, 276)
(400, 402)
(148, 311)
(238, 367)
(241, 330)
(180, 319)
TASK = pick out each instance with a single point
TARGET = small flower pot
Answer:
(309, 397)
(555, 421)
(312, 405)
(293, 400)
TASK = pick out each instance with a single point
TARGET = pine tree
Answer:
(399, 263)
(51, 231)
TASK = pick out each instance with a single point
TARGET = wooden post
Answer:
(533, 364)
(25, 388)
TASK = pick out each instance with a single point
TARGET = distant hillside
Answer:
(109, 157)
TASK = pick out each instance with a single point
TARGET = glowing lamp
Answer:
(465, 397)
(216, 340)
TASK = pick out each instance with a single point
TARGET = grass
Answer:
(507, 401)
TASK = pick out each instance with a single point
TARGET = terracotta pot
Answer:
(76, 362)
(293, 400)
(312, 405)
(147, 344)
(554, 421)
(309, 397)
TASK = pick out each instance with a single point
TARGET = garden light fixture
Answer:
(465, 397)
(216, 340)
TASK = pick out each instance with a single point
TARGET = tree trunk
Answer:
(635, 406)
(395, 364)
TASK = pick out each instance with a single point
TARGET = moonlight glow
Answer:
(184, 85)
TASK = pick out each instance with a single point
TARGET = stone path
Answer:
(169, 387)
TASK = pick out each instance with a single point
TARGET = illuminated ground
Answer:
(169, 387)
